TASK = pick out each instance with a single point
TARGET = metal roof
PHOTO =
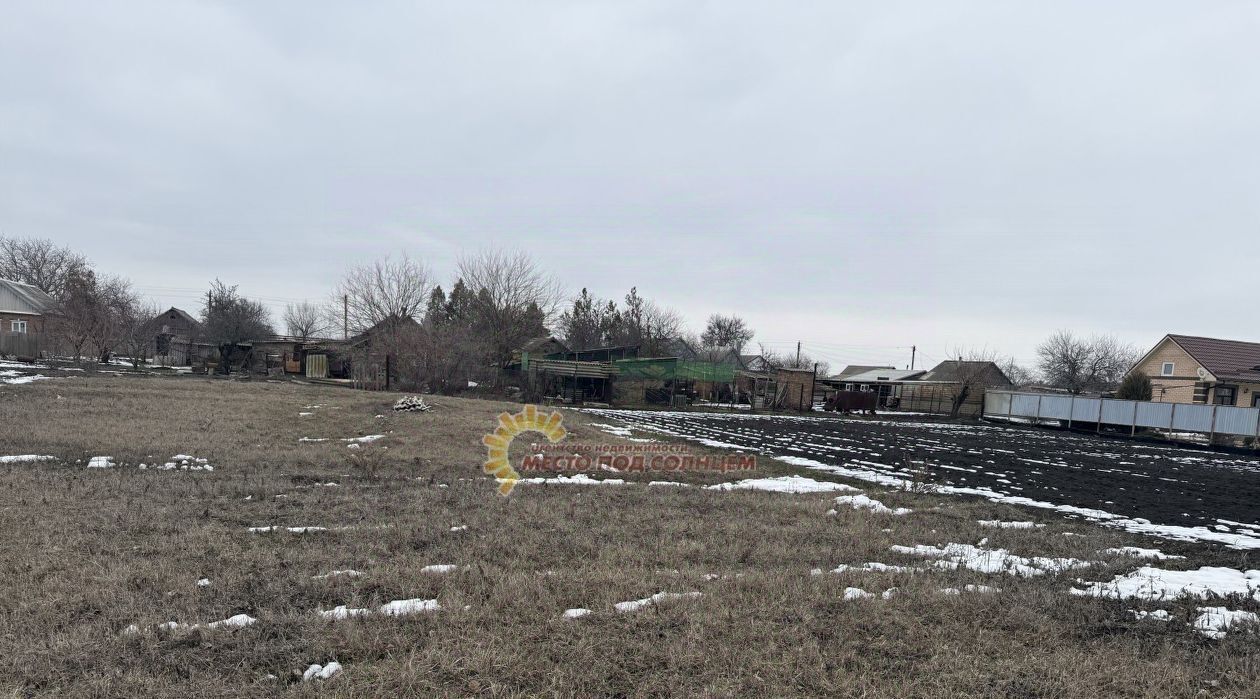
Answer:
(1225, 359)
(16, 297)
(877, 375)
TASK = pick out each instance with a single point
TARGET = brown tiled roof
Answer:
(1226, 359)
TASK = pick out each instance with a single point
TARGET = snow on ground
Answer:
(957, 556)
(1156, 615)
(861, 502)
(181, 462)
(204, 582)
(576, 613)
(321, 672)
(101, 462)
(30, 378)
(637, 604)
(1149, 583)
(438, 568)
(854, 593)
(403, 607)
(1214, 622)
(25, 459)
(876, 567)
(613, 429)
(1138, 552)
(364, 439)
(291, 530)
(1009, 525)
(399, 607)
(349, 573)
(785, 484)
(232, 622)
(19, 365)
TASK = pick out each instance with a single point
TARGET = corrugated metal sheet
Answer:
(996, 402)
(1153, 414)
(1239, 421)
(24, 298)
(1118, 412)
(1025, 405)
(1056, 407)
(1192, 418)
(316, 366)
(1086, 409)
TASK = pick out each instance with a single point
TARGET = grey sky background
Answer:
(859, 176)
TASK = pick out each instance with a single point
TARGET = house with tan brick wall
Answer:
(1204, 370)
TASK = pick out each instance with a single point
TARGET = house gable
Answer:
(1184, 366)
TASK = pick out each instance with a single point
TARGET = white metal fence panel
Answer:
(1086, 409)
(997, 403)
(1024, 405)
(1154, 414)
(1237, 421)
(1059, 407)
(1117, 412)
(1192, 418)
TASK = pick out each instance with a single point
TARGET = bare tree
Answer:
(512, 297)
(972, 372)
(1079, 364)
(646, 324)
(388, 291)
(726, 331)
(1019, 374)
(90, 313)
(137, 330)
(41, 263)
(228, 319)
(305, 320)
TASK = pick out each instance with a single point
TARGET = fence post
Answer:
(1172, 417)
(1010, 406)
(1212, 429)
(1133, 420)
(1038, 422)
(1071, 409)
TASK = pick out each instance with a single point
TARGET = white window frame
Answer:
(1168, 369)
(17, 326)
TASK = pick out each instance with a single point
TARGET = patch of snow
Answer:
(957, 556)
(1138, 552)
(238, 621)
(999, 524)
(861, 502)
(876, 567)
(785, 484)
(577, 613)
(1150, 583)
(349, 573)
(291, 530)
(343, 612)
(321, 672)
(312, 439)
(402, 607)
(438, 568)
(1214, 622)
(670, 483)
(25, 458)
(853, 593)
(460, 528)
(637, 604)
(1157, 615)
(101, 462)
(204, 582)
(24, 379)
(365, 439)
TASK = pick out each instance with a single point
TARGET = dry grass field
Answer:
(89, 552)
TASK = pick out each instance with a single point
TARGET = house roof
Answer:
(1225, 359)
(183, 315)
(877, 375)
(957, 370)
(16, 297)
(539, 342)
(854, 369)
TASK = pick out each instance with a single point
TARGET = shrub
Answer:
(1135, 386)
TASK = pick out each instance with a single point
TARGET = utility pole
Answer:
(798, 353)
(913, 349)
(345, 316)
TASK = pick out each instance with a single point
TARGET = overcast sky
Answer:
(858, 176)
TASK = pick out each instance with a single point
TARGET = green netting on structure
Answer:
(667, 369)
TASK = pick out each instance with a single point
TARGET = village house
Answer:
(1204, 370)
(176, 339)
(24, 310)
